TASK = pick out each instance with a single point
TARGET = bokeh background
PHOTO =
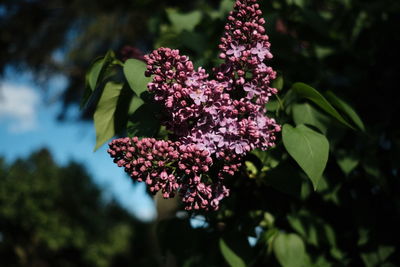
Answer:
(61, 204)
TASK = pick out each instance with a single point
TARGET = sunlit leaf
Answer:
(306, 114)
(308, 148)
(99, 71)
(134, 73)
(105, 111)
(251, 169)
(94, 73)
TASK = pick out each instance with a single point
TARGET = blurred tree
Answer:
(63, 37)
(55, 216)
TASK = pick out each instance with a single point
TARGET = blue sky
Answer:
(28, 123)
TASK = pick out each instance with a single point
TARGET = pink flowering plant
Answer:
(211, 121)
(204, 136)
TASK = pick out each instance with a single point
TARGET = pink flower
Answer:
(251, 90)
(236, 51)
(198, 96)
(261, 51)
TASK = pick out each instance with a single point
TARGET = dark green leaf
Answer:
(385, 252)
(305, 227)
(346, 160)
(193, 40)
(346, 108)
(289, 250)
(135, 104)
(143, 122)
(310, 93)
(272, 105)
(323, 52)
(230, 256)
(359, 25)
(226, 6)
(278, 83)
(134, 73)
(378, 257)
(308, 148)
(363, 236)
(181, 22)
(285, 179)
(105, 111)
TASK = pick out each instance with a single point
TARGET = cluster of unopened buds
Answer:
(215, 122)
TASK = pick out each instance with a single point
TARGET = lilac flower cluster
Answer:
(221, 119)
(168, 166)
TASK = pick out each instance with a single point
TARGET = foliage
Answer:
(348, 50)
(331, 218)
(55, 216)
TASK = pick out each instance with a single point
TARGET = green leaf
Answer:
(91, 80)
(308, 148)
(251, 169)
(99, 71)
(347, 161)
(306, 114)
(310, 93)
(94, 72)
(134, 73)
(378, 257)
(363, 236)
(289, 250)
(226, 6)
(194, 41)
(142, 122)
(285, 179)
(346, 108)
(305, 228)
(323, 52)
(105, 111)
(359, 25)
(136, 102)
(181, 22)
(278, 83)
(384, 252)
(272, 105)
(230, 256)
(330, 235)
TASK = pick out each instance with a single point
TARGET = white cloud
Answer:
(18, 107)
